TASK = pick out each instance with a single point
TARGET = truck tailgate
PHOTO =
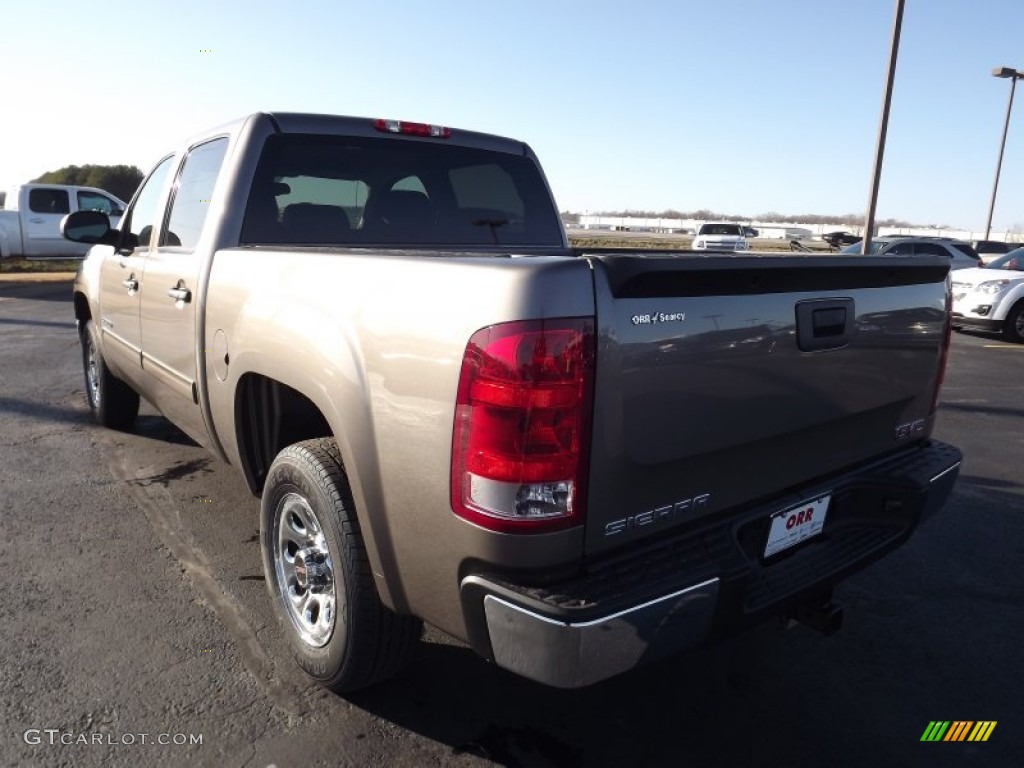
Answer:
(725, 380)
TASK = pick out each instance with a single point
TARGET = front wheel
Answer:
(1013, 326)
(112, 402)
(319, 576)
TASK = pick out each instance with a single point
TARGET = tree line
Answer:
(119, 180)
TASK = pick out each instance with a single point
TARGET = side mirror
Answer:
(89, 227)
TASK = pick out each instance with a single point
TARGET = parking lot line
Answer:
(1003, 346)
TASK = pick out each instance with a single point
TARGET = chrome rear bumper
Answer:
(573, 655)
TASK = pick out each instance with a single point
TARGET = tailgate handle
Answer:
(824, 324)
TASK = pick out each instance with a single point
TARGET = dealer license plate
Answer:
(797, 524)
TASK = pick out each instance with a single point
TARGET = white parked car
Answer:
(991, 298)
(720, 236)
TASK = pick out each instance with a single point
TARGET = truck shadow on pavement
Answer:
(43, 411)
(37, 323)
(642, 718)
(148, 426)
(159, 428)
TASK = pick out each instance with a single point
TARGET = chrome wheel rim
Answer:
(304, 570)
(92, 373)
(1018, 324)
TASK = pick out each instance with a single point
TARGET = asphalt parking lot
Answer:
(135, 616)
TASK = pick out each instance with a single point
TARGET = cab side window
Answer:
(49, 201)
(192, 194)
(142, 214)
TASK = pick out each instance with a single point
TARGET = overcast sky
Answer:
(739, 106)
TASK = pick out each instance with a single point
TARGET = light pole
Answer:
(1014, 76)
(883, 124)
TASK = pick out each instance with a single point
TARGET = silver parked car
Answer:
(961, 254)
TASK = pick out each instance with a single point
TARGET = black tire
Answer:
(1013, 326)
(112, 402)
(320, 580)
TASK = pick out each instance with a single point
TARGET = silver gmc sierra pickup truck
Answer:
(575, 462)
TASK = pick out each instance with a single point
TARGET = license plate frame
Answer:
(795, 525)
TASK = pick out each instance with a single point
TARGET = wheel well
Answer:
(82, 314)
(270, 416)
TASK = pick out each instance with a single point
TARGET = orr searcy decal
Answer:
(654, 318)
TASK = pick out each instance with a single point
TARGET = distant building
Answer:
(788, 230)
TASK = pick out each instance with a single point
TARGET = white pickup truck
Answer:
(31, 216)
(720, 236)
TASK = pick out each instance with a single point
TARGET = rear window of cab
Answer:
(337, 190)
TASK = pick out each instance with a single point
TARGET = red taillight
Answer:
(522, 425)
(413, 129)
(944, 353)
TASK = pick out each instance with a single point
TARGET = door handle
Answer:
(180, 294)
(131, 284)
(36, 221)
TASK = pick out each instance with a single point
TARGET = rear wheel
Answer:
(319, 576)
(112, 402)
(1013, 326)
